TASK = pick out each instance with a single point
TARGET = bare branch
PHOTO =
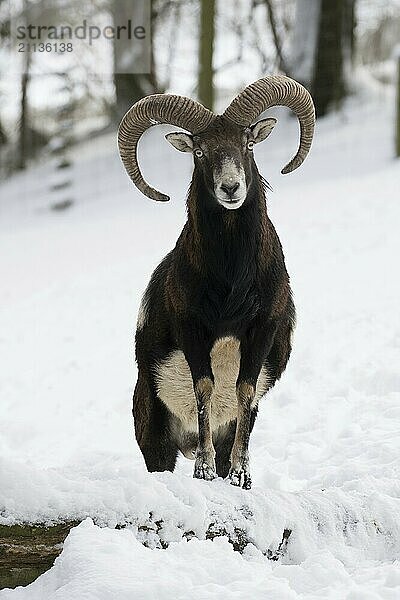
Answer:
(277, 41)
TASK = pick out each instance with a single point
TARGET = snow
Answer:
(325, 448)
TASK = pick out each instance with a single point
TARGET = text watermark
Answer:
(104, 39)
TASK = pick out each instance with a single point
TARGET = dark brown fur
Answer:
(226, 276)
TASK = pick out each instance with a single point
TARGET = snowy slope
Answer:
(325, 448)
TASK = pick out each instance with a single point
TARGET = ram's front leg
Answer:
(239, 473)
(204, 466)
(197, 353)
(254, 349)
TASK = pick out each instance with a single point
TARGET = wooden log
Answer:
(27, 551)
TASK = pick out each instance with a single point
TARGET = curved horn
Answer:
(154, 110)
(276, 90)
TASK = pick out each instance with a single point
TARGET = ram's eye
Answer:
(198, 152)
(250, 145)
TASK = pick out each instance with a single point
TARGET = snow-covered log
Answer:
(163, 509)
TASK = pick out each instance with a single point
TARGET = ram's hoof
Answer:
(240, 478)
(202, 470)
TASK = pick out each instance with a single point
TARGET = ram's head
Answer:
(221, 144)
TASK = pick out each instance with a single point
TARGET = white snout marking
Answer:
(227, 176)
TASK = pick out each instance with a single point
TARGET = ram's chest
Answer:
(175, 386)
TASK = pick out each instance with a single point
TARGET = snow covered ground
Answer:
(325, 448)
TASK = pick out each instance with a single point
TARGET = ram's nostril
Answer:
(229, 188)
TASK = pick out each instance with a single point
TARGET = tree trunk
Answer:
(304, 41)
(206, 48)
(398, 108)
(323, 48)
(23, 118)
(349, 27)
(328, 86)
(131, 86)
(334, 54)
(3, 137)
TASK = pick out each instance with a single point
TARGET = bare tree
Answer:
(275, 34)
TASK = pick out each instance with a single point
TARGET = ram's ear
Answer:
(262, 129)
(181, 141)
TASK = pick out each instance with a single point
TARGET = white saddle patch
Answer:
(175, 385)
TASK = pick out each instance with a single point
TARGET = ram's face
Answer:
(224, 156)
